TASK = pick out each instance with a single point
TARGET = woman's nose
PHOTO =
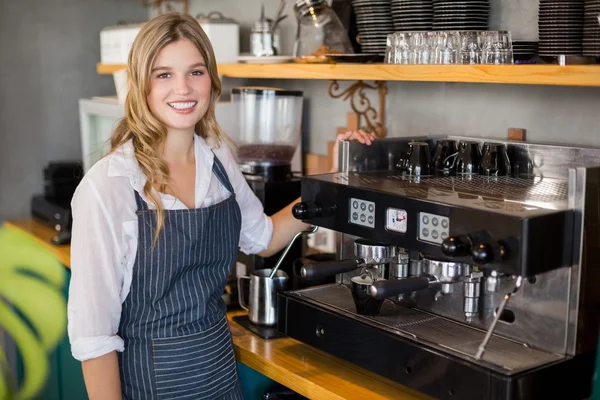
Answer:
(182, 86)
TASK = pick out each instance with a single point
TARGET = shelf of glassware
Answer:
(536, 74)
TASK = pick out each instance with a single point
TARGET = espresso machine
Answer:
(466, 269)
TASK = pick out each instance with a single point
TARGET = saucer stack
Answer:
(374, 23)
(560, 25)
(412, 15)
(591, 28)
(461, 15)
(523, 48)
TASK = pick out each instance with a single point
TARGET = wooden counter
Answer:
(311, 372)
(42, 234)
(304, 369)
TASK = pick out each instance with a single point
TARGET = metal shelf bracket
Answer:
(370, 119)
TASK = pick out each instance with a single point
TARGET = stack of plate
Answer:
(560, 24)
(374, 23)
(412, 15)
(523, 48)
(591, 28)
(461, 15)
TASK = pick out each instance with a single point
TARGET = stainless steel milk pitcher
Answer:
(262, 303)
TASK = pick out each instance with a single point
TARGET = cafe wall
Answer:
(49, 51)
(550, 114)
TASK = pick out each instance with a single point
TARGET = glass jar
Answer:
(263, 41)
(319, 25)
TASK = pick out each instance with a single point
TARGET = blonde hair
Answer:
(140, 126)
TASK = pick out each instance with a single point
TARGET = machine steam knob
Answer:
(457, 246)
(309, 210)
(485, 253)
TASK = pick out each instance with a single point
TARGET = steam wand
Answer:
(499, 312)
(312, 229)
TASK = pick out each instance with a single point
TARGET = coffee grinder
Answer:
(267, 138)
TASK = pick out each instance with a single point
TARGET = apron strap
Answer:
(221, 174)
(141, 204)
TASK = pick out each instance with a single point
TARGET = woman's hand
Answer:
(360, 136)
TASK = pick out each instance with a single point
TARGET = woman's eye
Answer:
(164, 76)
(197, 73)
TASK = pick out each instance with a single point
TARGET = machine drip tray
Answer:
(264, 332)
(503, 355)
(427, 353)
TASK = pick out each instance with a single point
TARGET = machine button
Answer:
(425, 219)
(458, 246)
(363, 206)
(320, 331)
(434, 234)
(425, 232)
(363, 218)
(354, 216)
(370, 220)
(445, 223)
(355, 204)
(435, 222)
(444, 235)
(371, 208)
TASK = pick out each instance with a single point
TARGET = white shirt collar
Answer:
(123, 163)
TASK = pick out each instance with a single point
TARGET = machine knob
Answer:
(485, 253)
(309, 210)
(457, 246)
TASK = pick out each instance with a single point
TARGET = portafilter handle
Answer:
(383, 289)
(324, 269)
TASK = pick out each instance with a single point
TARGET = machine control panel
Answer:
(396, 220)
(433, 228)
(362, 212)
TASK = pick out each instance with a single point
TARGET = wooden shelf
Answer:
(570, 75)
(107, 69)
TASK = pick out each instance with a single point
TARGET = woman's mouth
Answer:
(183, 107)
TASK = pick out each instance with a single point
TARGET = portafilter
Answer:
(368, 254)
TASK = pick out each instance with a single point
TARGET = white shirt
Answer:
(105, 235)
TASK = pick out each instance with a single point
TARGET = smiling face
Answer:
(180, 86)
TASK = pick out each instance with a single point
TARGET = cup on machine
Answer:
(417, 161)
(444, 157)
(468, 158)
(494, 160)
(364, 302)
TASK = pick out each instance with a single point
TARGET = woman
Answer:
(156, 227)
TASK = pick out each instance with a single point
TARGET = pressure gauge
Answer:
(396, 220)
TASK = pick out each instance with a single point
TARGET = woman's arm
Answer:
(101, 377)
(285, 226)
(99, 246)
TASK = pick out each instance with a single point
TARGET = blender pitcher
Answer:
(318, 26)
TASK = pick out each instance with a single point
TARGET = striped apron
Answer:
(177, 339)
